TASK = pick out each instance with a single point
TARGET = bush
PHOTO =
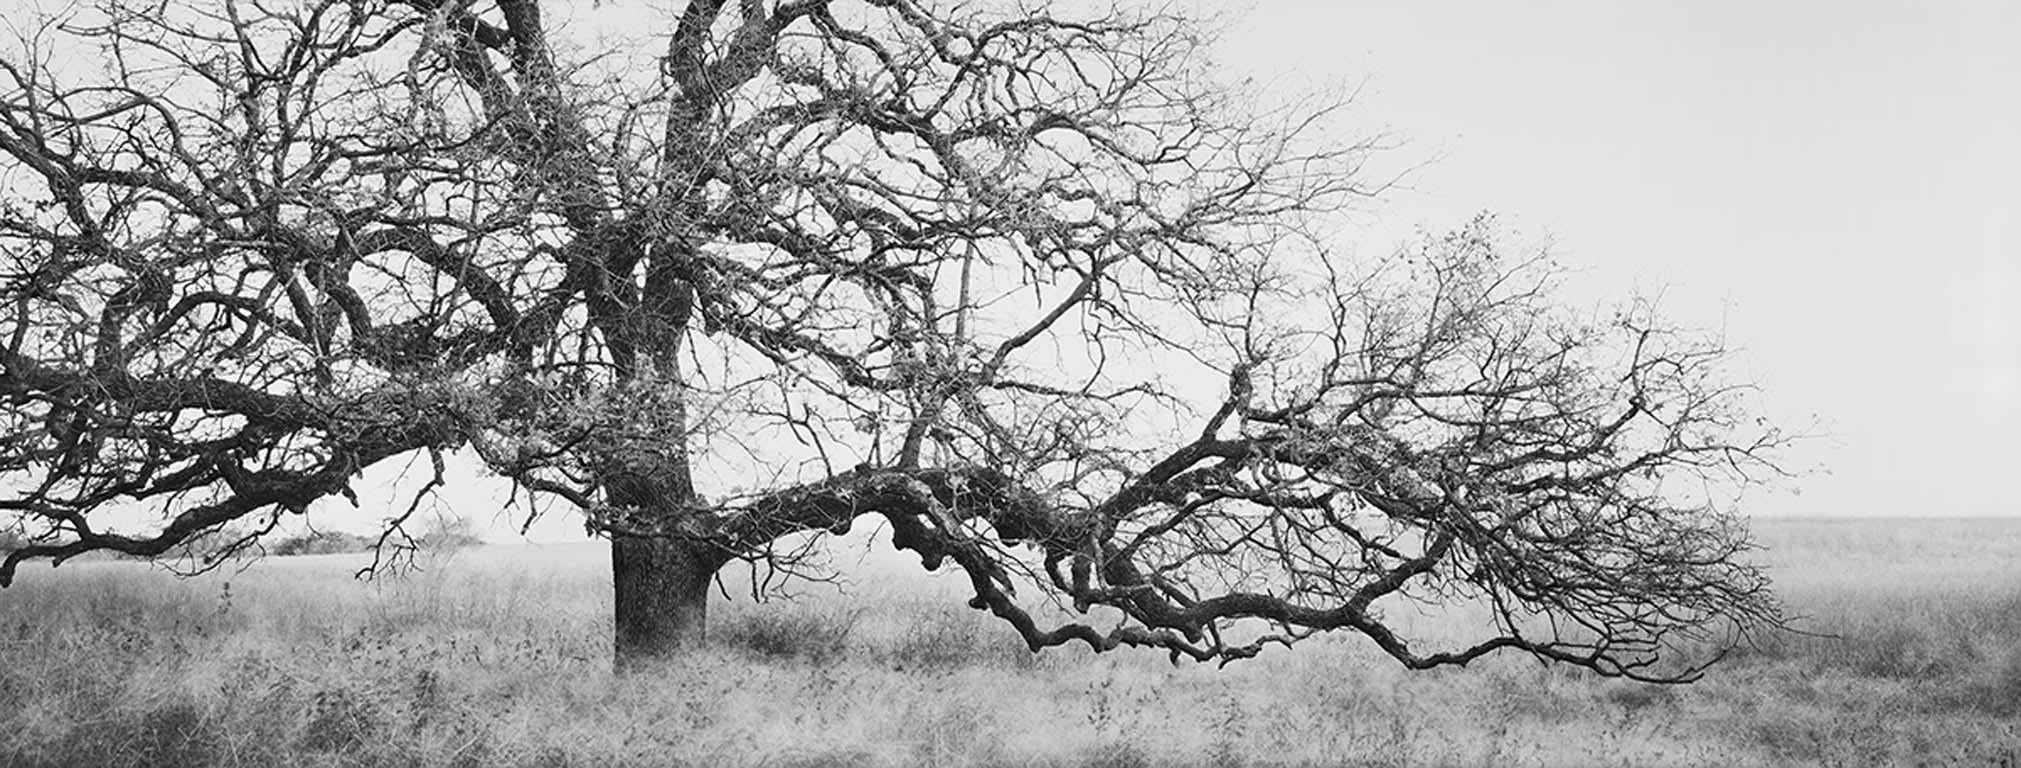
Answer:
(448, 534)
(320, 543)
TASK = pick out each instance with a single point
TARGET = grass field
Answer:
(500, 657)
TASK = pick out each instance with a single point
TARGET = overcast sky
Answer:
(1835, 184)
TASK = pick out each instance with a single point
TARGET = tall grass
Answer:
(500, 657)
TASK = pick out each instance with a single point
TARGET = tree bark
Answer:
(662, 597)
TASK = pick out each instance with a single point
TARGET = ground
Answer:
(500, 657)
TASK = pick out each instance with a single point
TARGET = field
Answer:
(499, 657)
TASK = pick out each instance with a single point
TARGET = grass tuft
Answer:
(341, 720)
(176, 734)
(942, 639)
(797, 632)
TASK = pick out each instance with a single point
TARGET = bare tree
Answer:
(803, 261)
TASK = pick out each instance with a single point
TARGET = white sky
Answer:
(1836, 184)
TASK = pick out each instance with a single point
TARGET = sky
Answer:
(1835, 185)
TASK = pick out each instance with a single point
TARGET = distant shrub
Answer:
(216, 545)
(443, 534)
(320, 543)
(448, 534)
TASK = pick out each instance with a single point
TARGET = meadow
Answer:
(499, 656)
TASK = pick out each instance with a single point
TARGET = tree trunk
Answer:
(662, 597)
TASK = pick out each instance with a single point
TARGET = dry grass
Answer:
(500, 658)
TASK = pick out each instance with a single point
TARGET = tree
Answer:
(963, 269)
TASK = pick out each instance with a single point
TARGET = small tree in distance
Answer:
(764, 268)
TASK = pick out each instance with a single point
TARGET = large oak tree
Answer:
(723, 276)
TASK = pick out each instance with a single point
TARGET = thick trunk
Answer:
(662, 591)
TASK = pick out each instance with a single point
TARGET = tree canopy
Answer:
(1031, 284)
